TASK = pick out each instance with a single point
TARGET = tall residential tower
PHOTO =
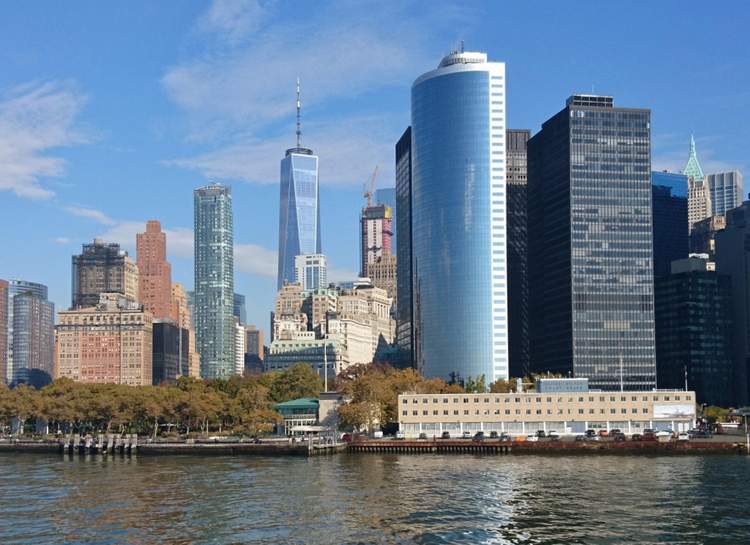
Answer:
(214, 280)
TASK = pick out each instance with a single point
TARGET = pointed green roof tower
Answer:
(693, 167)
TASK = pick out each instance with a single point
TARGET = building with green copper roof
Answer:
(693, 167)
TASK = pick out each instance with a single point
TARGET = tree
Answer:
(300, 380)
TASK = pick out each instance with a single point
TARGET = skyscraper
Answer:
(699, 197)
(3, 331)
(32, 336)
(214, 280)
(518, 282)
(694, 331)
(375, 234)
(154, 272)
(458, 219)
(184, 317)
(102, 267)
(733, 259)
(404, 303)
(299, 216)
(670, 226)
(34, 349)
(726, 190)
(311, 271)
(590, 245)
(239, 308)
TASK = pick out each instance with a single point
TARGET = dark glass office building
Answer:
(590, 245)
(404, 324)
(693, 331)
(670, 218)
(733, 259)
(170, 352)
(518, 283)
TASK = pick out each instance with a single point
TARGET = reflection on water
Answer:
(374, 499)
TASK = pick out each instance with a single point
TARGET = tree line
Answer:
(237, 405)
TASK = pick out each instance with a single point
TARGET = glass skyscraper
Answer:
(670, 223)
(213, 302)
(404, 324)
(458, 219)
(725, 190)
(590, 245)
(31, 333)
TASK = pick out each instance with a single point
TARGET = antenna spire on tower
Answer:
(299, 113)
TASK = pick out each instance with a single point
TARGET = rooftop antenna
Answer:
(299, 113)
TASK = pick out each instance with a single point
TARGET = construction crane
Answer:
(370, 191)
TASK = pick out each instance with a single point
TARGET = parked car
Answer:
(505, 437)
(603, 433)
(684, 436)
(649, 435)
(619, 437)
(423, 435)
(540, 434)
(615, 431)
(636, 437)
(591, 433)
(553, 435)
(466, 435)
(580, 437)
(700, 434)
(377, 434)
(664, 433)
(479, 436)
(446, 435)
(400, 435)
(532, 437)
(648, 430)
(493, 435)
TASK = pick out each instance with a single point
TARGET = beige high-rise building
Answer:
(154, 272)
(184, 319)
(108, 343)
(382, 273)
(102, 267)
(699, 202)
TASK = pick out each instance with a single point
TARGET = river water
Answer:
(369, 498)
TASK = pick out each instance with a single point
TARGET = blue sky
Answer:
(111, 113)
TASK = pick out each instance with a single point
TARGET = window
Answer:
(404, 413)
(415, 413)
(580, 411)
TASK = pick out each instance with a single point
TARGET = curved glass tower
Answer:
(458, 222)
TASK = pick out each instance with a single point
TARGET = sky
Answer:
(111, 113)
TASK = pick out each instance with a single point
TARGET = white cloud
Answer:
(239, 95)
(63, 241)
(179, 239)
(34, 119)
(96, 215)
(232, 20)
(255, 259)
(348, 150)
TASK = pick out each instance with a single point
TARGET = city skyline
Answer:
(120, 138)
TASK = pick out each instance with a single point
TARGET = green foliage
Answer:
(237, 405)
(716, 414)
(372, 393)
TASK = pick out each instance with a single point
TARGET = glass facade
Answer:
(591, 245)
(693, 334)
(213, 300)
(18, 287)
(299, 217)
(725, 190)
(518, 284)
(239, 308)
(33, 335)
(670, 219)
(458, 219)
(405, 334)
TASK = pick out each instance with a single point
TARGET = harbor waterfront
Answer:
(376, 498)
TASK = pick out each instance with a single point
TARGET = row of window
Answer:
(643, 410)
(539, 399)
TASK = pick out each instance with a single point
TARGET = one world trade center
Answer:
(299, 215)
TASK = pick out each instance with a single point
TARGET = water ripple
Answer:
(382, 499)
